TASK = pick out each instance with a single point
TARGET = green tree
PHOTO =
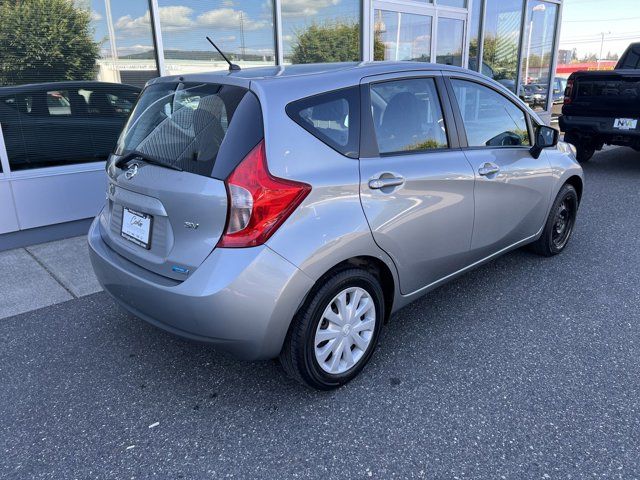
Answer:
(45, 40)
(330, 42)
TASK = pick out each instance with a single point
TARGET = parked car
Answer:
(535, 95)
(559, 86)
(288, 212)
(58, 123)
(603, 107)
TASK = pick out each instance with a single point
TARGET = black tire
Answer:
(559, 227)
(298, 353)
(584, 153)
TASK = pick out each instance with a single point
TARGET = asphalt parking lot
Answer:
(525, 368)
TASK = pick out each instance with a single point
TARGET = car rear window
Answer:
(183, 124)
(332, 117)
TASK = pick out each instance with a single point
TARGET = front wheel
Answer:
(560, 223)
(336, 331)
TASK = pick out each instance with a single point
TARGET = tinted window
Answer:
(490, 119)
(47, 126)
(182, 124)
(407, 116)
(332, 117)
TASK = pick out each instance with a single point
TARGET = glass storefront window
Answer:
(537, 54)
(449, 41)
(501, 41)
(474, 34)
(66, 101)
(321, 31)
(242, 30)
(402, 36)
(453, 3)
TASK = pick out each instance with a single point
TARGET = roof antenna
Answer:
(232, 66)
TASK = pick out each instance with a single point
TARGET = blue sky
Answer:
(186, 22)
(584, 20)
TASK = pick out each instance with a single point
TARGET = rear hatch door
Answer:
(165, 210)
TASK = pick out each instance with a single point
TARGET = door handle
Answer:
(488, 169)
(383, 182)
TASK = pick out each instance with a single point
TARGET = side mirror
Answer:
(545, 137)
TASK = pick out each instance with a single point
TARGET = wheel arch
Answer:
(373, 265)
(576, 182)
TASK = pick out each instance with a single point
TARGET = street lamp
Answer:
(538, 8)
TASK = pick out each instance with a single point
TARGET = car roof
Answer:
(357, 69)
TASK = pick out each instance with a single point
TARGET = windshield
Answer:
(181, 124)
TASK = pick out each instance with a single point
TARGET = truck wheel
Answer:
(584, 153)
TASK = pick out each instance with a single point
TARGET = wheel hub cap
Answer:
(345, 330)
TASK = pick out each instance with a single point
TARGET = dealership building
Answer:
(67, 88)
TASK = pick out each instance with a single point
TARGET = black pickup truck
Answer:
(603, 107)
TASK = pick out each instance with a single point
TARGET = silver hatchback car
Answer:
(288, 212)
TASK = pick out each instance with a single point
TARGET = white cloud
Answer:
(229, 18)
(178, 17)
(227, 3)
(171, 18)
(95, 16)
(303, 8)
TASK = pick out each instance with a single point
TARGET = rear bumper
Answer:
(597, 130)
(240, 299)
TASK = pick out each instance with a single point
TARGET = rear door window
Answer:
(332, 117)
(183, 124)
(407, 116)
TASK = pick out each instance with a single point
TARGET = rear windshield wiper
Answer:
(145, 158)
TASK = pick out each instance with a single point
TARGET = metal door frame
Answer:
(412, 7)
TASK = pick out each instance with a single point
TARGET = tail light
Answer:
(258, 202)
(568, 92)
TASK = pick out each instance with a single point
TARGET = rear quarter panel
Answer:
(329, 227)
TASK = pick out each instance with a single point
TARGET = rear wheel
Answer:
(336, 331)
(560, 223)
(584, 153)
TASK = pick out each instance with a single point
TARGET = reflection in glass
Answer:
(103, 57)
(402, 36)
(242, 30)
(474, 34)
(501, 40)
(537, 53)
(449, 44)
(490, 119)
(453, 3)
(320, 31)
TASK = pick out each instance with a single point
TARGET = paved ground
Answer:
(525, 368)
(43, 275)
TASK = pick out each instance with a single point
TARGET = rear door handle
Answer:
(383, 182)
(488, 169)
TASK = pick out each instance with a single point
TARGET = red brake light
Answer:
(568, 92)
(258, 202)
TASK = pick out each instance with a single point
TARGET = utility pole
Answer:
(602, 34)
(242, 47)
